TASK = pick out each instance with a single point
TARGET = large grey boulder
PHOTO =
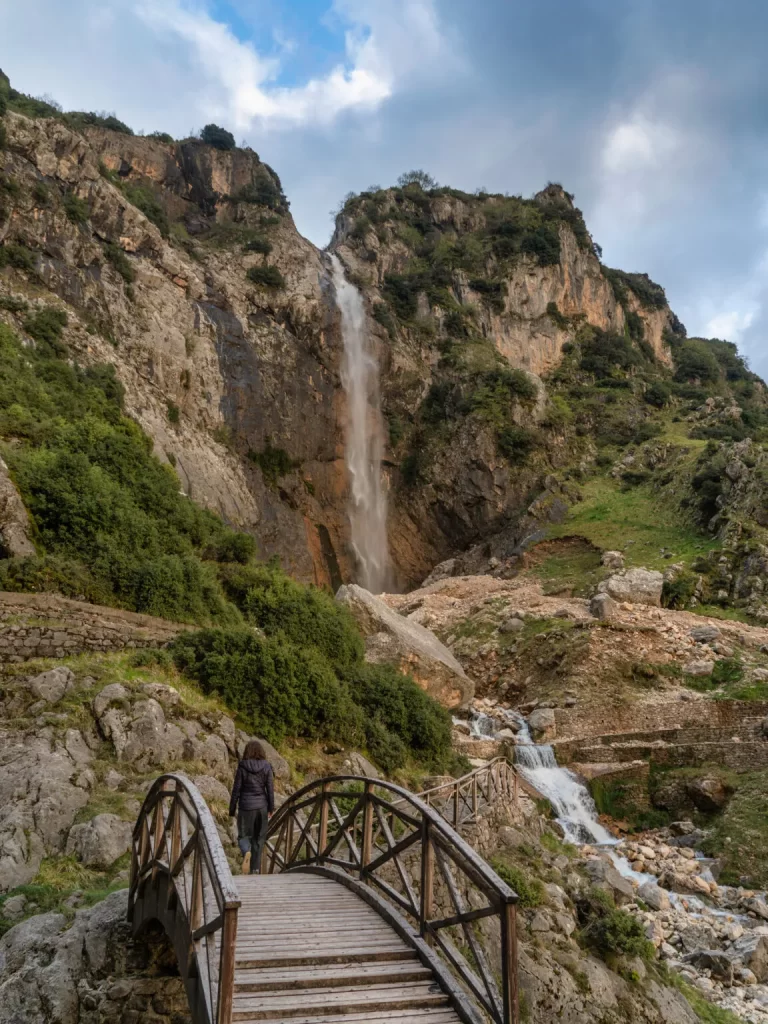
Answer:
(15, 533)
(654, 896)
(211, 789)
(141, 735)
(541, 722)
(51, 686)
(751, 950)
(356, 764)
(390, 637)
(100, 841)
(602, 606)
(38, 802)
(635, 586)
(605, 875)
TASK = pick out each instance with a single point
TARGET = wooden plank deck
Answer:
(309, 951)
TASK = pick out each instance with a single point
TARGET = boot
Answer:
(246, 868)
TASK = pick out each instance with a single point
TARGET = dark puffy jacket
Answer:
(253, 788)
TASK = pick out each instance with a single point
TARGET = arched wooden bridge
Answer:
(370, 909)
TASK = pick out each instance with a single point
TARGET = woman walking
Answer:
(254, 791)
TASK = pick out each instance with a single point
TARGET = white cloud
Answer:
(638, 144)
(385, 45)
(731, 325)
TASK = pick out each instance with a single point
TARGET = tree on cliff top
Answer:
(426, 181)
(219, 138)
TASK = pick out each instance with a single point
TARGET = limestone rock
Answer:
(15, 532)
(636, 586)
(752, 951)
(391, 637)
(51, 686)
(612, 560)
(356, 764)
(99, 842)
(280, 767)
(603, 873)
(541, 722)
(654, 896)
(114, 693)
(708, 794)
(165, 695)
(513, 625)
(211, 789)
(13, 908)
(602, 606)
(698, 667)
(718, 964)
(141, 735)
(38, 803)
(704, 634)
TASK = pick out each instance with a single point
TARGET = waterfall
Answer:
(574, 807)
(364, 446)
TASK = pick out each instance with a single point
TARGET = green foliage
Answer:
(739, 834)
(530, 891)
(694, 360)
(658, 394)
(493, 292)
(516, 443)
(273, 462)
(678, 591)
(41, 193)
(650, 295)
(610, 931)
(557, 317)
(83, 119)
(108, 517)
(45, 325)
(219, 138)
(383, 316)
(258, 244)
(266, 275)
(120, 262)
(75, 208)
(602, 353)
(421, 178)
(279, 605)
(263, 190)
(145, 200)
(161, 137)
(174, 413)
(15, 254)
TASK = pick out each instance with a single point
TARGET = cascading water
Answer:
(574, 807)
(364, 446)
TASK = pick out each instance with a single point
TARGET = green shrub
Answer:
(41, 193)
(174, 413)
(260, 245)
(516, 443)
(274, 462)
(144, 199)
(45, 325)
(678, 591)
(694, 360)
(557, 317)
(266, 275)
(219, 138)
(602, 353)
(383, 316)
(75, 208)
(658, 394)
(16, 254)
(530, 891)
(274, 602)
(120, 262)
(610, 931)
(162, 137)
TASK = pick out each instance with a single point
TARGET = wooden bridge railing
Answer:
(181, 878)
(460, 800)
(402, 856)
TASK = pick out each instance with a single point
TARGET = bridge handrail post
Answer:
(365, 849)
(427, 896)
(322, 834)
(227, 969)
(509, 963)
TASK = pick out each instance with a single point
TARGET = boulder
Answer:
(605, 875)
(13, 908)
(612, 560)
(654, 896)
(602, 606)
(390, 637)
(211, 789)
(698, 667)
(708, 794)
(51, 686)
(38, 803)
(165, 695)
(704, 634)
(636, 586)
(112, 694)
(280, 767)
(356, 764)
(141, 735)
(751, 951)
(99, 842)
(15, 532)
(542, 725)
(717, 963)
(513, 625)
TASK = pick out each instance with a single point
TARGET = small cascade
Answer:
(574, 807)
(364, 438)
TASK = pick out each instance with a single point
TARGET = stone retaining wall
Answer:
(49, 626)
(737, 756)
(633, 718)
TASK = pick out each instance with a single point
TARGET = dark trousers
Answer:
(252, 832)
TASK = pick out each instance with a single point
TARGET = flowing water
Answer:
(364, 445)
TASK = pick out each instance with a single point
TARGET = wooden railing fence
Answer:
(180, 877)
(409, 858)
(459, 801)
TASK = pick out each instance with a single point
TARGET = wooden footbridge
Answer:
(370, 909)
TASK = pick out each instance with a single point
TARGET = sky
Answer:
(653, 112)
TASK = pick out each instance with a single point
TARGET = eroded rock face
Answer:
(99, 842)
(67, 975)
(390, 637)
(38, 802)
(15, 531)
(635, 586)
(542, 724)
